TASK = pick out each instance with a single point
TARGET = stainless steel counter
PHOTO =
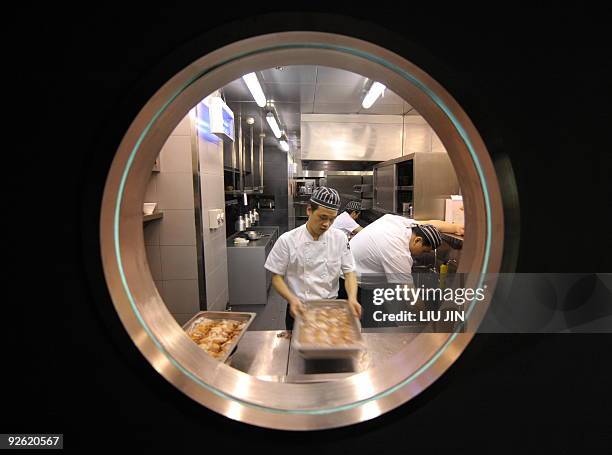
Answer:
(271, 236)
(265, 355)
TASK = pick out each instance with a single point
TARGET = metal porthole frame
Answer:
(160, 339)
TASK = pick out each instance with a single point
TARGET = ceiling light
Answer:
(255, 89)
(273, 124)
(375, 91)
(284, 145)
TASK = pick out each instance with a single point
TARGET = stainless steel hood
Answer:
(355, 137)
(310, 174)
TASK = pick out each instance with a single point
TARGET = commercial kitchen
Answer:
(238, 172)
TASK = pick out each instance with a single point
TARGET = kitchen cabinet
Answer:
(424, 180)
(384, 187)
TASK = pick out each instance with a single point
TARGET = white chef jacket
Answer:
(345, 223)
(311, 267)
(381, 251)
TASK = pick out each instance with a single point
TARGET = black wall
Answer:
(536, 83)
(275, 184)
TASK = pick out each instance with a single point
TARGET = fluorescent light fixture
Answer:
(375, 91)
(284, 146)
(272, 122)
(255, 89)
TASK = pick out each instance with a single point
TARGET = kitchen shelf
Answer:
(350, 197)
(239, 193)
(235, 171)
(153, 216)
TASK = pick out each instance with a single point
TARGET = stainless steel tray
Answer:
(313, 351)
(231, 315)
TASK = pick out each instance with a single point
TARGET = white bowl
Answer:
(148, 207)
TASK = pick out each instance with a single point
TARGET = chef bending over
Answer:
(385, 248)
(383, 253)
(307, 261)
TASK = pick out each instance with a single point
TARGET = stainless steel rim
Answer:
(161, 340)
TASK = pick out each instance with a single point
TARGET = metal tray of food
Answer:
(247, 318)
(328, 348)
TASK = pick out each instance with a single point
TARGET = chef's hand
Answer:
(354, 304)
(295, 307)
(459, 230)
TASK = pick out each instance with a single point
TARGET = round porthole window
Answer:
(279, 403)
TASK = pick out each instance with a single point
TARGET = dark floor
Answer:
(270, 316)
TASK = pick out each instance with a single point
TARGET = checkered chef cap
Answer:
(326, 197)
(353, 206)
(431, 233)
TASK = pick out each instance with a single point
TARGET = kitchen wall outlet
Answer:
(216, 218)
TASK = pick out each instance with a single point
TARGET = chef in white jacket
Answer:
(347, 220)
(383, 253)
(307, 261)
(385, 248)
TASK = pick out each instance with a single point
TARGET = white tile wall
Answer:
(213, 197)
(212, 194)
(175, 191)
(175, 261)
(183, 128)
(215, 251)
(216, 283)
(211, 158)
(179, 263)
(154, 259)
(223, 299)
(151, 232)
(176, 154)
(181, 296)
(151, 191)
(217, 305)
(178, 228)
(170, 241)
